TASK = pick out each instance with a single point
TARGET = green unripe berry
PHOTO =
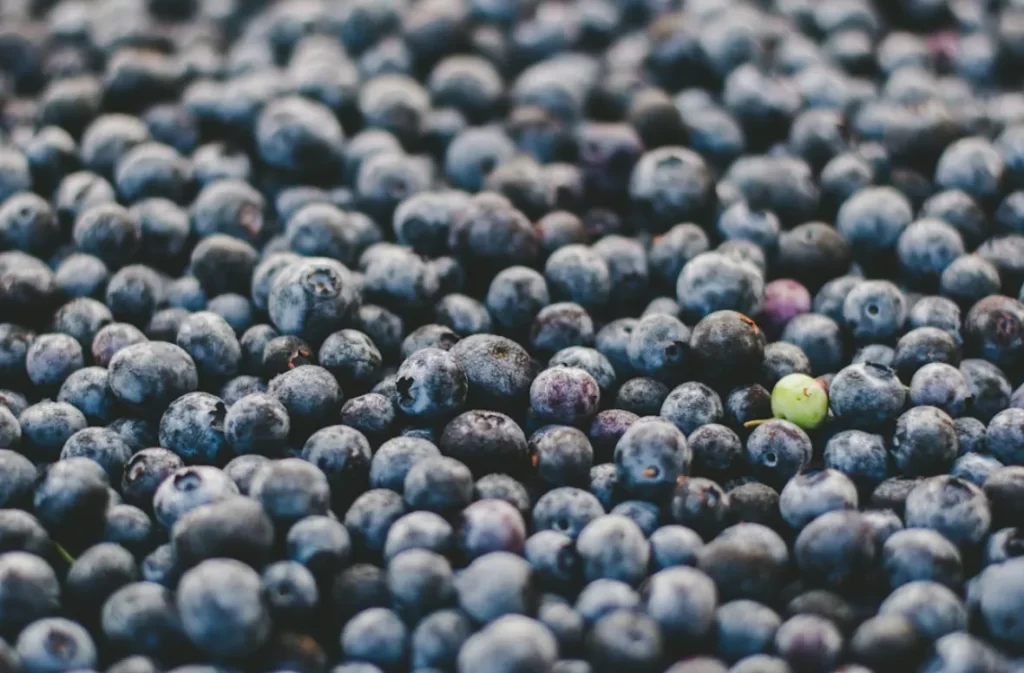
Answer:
(801, 400)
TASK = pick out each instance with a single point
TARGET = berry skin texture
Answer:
(801, 400)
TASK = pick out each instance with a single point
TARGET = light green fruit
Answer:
(801, 400)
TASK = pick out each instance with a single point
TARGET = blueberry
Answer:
(873, 219)
(280, 354)
(512, 642)
(370, 517)
(934, 311)
(955, 508)
(744, 628)
(1001, 489)
(87, 390)
(925, 248)
(193, 428)
(993, 330)
(625, 639)
(71, 499)
(15, 402)
(111, 339)
(613, 547)
(222, 609)
(921, 554)
(431, 384)
(866, 395)
(778, 450)
(576, 273)
(989, 388)
(953, 646)
(861, 456)
(160, 567)
(438, 484)
(561, 455)
(81, 275)
(505, 488)
(486, 441)
(887, 641)
(974, 467)
(10, 430)
(996, 598)
(641, 396)
(497, 584)
(372, 414)
(56, 643)
(821, 340)
(490, 525)
(515, 296)
(135, 664)
(670, 251)
(811, 494)
(235, 309)
(46, 426)
(744, 404)
(933, 609)
(28, 223)
(682, 602)
(649, 457)
(19, 479)
(291, 489)
(940, 385)
(438, 638)
(925, 442)
(674, 545)
(290, 592)
(808, 642)
(463, 314)
(713, 282)
(100, 445)
(51, 359)
(700, 504)
(659, 346)
(566, 395)
(257, 424)
(309, 394)
(30, 591)
(131, 528)
(241, 386)
(189, 488)
(554, 558)
(144, 472)
(312, 298)
(95, 576)
(419, 530)
(148, 376)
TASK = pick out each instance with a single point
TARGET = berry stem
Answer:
(64, 553)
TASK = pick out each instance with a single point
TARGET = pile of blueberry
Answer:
(511, 336)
